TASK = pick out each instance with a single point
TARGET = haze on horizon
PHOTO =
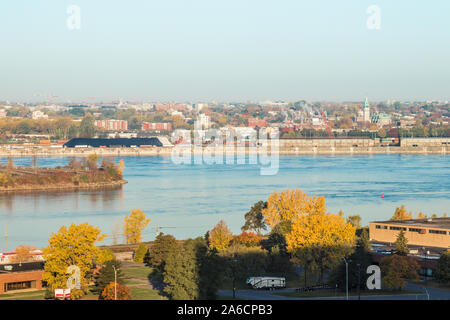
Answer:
(234, 50)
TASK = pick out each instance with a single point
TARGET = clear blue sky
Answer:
(225, 50)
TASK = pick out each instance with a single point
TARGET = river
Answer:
(187, 200)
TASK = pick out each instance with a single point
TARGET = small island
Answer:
(84, 174)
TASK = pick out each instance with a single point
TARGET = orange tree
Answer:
(113, 289)
(316, 240)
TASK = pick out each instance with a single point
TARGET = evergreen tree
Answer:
(442, 273)
(106, 275)
(401, 244)
(159, 251)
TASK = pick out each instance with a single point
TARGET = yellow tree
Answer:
(319, 241)
(23, 254)
(401, 214)
(133, 225)
(71, 246)
(421, 215)
(290, 204)
(220, 236)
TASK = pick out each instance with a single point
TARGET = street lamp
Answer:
(359, 281)
(115, 282)
(346, 276)
(234, 277)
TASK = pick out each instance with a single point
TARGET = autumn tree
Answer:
(290, 204)
(401, 214)
(23, 254)
(115, 289)
(134, 223)
(421, 215)
(314, 238)
(319, 241)
(220, 236)
(254, 219)
(74, 245)
(396, 270)
(401, 244)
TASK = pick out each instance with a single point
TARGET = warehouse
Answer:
(21, 276)
(110, 143)
(420, 232)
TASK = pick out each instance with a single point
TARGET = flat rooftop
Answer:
(441, 223)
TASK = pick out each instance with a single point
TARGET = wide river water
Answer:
(188, 200)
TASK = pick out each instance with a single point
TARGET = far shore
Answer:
(167, 151)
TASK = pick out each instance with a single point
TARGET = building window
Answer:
(437, 231)
(20, 285)
(397, 228)
(421, 231)
(377, 226)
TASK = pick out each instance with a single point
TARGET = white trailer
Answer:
(266, 282)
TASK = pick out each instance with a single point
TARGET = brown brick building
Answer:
(27, 275)
(419, 232)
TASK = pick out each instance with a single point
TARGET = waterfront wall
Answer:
(167, 151)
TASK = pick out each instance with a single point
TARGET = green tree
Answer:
(354, 220)
(254, 219)
(106, 275)
(140, 253)
(401, 244)
(361, 256)
(181, 272)
(442, 273)
(87, 126)
(157, 255)
(395, 270)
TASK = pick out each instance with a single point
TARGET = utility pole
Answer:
(6, 238)
(115, 282)
(346, 277)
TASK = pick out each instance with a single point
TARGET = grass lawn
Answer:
(141, 272)
(333, 293)
(29, 295)
(131, 282)
(145, 294)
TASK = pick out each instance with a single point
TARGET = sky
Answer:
(233, 50)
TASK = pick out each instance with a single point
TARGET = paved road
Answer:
(433, 294)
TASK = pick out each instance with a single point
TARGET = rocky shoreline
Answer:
(63, 187)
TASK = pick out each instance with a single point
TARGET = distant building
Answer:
(257, 123)
(366, 111)
(3, 113)
(381, 119)
(204, 121)
(112, 125)
(433, 232)
(38, 115)
(157, 126)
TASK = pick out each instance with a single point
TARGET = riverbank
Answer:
(63, 187)
(168, 151)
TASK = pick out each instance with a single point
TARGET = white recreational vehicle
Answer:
(266, 282)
